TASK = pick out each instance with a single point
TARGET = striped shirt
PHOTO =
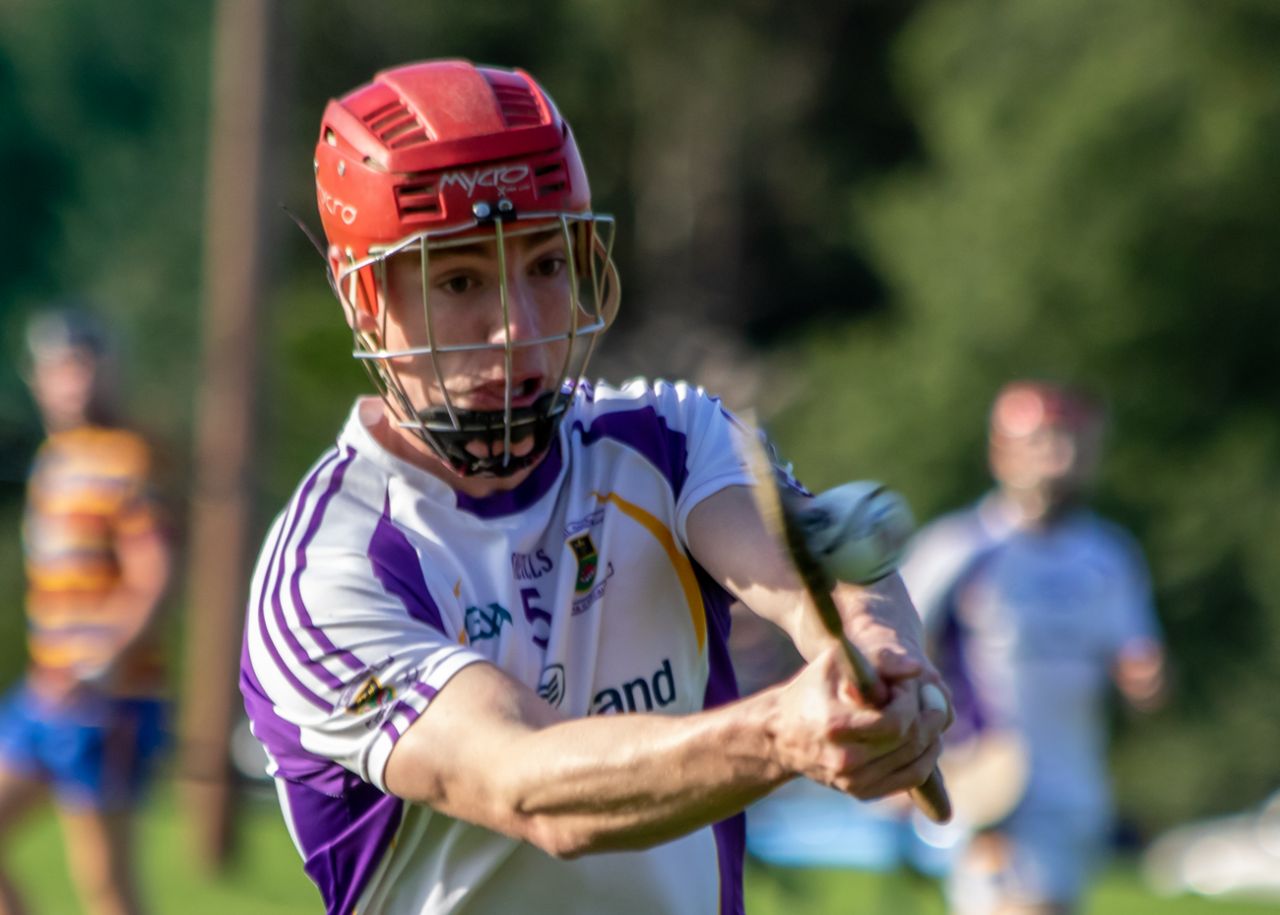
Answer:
(89, 490)
(379, 582)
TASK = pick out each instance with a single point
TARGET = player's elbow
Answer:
(573, 837)
(559, 839)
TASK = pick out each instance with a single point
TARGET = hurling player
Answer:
(486, 640)
(1034, 604)
(87, 719)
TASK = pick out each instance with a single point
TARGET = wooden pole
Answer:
(232, 323)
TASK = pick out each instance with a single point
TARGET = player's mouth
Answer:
(491, 396)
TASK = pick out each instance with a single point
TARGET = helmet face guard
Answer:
(437, 155)
(590, 306)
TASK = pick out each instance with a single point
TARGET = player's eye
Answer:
(549, 265)
(458, 283)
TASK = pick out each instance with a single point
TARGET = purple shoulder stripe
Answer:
(283, 739)
(343, 839)
(259, 612)
(295, 582)
(645, 430)
(971, 718)
(397, 566)
(406, 711)
(289, 629)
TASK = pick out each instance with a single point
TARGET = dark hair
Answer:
(66, 326)
(69, 325)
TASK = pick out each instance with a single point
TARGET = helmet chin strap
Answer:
(488, 429)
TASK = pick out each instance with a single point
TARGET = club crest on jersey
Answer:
(486, 622)
(367, 692)
(588, 561)
(371, 695)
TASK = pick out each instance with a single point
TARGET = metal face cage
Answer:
(446, 427)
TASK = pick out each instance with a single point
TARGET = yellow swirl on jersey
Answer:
(681, 563)
(89, 489)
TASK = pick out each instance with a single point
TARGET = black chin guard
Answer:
(488, 427)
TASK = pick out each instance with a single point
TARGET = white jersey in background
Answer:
(379, 582)
(1027, 625)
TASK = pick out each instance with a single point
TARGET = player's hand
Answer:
(826, 732)
(889, 636)
(899, 670)
(62, 689)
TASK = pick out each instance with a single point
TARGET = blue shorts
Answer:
(95, 753)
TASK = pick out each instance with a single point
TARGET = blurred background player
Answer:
(1032, 603)
(86, 720)
(498, 559)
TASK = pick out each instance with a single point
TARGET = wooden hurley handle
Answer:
(780, 517)
(931, 797)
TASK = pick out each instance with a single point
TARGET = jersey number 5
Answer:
(538, 618)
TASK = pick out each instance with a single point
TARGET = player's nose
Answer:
(519, 320)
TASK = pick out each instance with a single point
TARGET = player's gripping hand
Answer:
(822, 729)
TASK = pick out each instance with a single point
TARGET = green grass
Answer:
(776, 891)
(265, 877)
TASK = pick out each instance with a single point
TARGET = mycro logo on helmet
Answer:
(500, 178)
(642, 694)
(335, 207)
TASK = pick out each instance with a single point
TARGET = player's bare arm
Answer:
(1139, 674)
(609, 783)
(145, 561)
(729, 539)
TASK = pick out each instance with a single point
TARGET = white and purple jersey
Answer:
(1027, 624)
(379, 582)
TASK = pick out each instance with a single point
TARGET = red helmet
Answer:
(1024, 407)
(431, 151)
(1045, 442)
(425, 146)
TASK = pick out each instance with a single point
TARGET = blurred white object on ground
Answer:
(1230, 855)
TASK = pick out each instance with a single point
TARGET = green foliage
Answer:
(1098, 204)
(1082, 189)
(118, 94)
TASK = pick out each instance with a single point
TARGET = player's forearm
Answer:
(137, 609)
(626, 782)
(135, 602)
(728, 538)
(591, 784)
(876, 617)
(881, 615)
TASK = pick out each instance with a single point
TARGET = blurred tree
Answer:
(36, 175)
(119, 95)
(1098, 204)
